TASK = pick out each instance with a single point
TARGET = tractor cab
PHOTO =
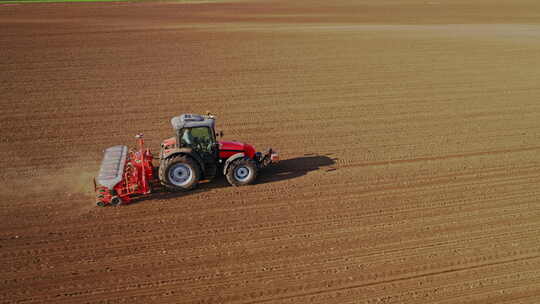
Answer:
(195, 135)
(195, 132)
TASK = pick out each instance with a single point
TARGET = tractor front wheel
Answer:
(179, 173)
(242, 172)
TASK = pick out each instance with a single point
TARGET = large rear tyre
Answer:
(179, 173)
(242, 172)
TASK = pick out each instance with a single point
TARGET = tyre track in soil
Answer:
(380, 218)
(376, 218)
(164, 283)
(409, 135)
(326, 239)
(350, 263)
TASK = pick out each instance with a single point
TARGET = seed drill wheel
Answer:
(242, 172)
(179, 173)
(116, 201)
(100, 204)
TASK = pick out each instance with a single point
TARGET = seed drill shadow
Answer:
(284, 170)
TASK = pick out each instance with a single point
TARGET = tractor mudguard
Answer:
(231, 159)
(186, 151)
(169, 152)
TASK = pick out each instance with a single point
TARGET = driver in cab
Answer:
(187, 138)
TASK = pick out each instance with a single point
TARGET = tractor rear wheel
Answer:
(242, 172)
(179, 173)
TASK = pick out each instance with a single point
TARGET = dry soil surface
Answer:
(409, 132)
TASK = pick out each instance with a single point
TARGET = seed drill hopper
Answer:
(124, 173)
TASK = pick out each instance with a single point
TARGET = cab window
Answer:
(200, 138)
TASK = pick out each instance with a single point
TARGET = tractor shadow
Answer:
(295, 167)
(284, 170)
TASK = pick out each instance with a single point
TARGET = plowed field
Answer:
(409, 133)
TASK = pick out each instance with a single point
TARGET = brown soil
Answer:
(410, 133)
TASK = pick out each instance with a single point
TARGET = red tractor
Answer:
(193, 154)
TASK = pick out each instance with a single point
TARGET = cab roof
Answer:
(192, 121)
